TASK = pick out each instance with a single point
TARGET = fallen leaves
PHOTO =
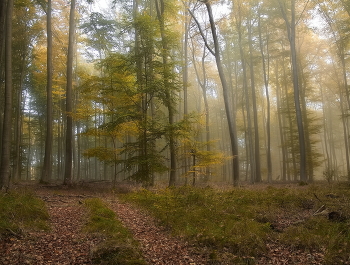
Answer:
(64, 244)
(157, 245)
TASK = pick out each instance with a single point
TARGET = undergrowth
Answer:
(239, 222)
(21, 211)
(118, 246)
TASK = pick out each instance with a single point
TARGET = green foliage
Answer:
(240, 222)
(318, 233)
(118, 246)
(21, 211)
(194, 213)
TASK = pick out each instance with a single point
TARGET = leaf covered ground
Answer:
(265, 225)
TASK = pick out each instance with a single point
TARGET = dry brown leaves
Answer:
(156, 243)
(64, 244)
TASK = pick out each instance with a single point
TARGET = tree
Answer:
(7, 124)
(47, 166)
(225, 89)
(169, 89)
(291, 32)
(265, 68)
(69, 99)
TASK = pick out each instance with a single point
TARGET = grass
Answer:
(238, 222)
(118, 246)
(21, 211)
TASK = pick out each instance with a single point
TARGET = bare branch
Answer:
(201, 32)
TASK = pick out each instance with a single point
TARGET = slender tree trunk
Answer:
(47, 167)
(231, 123)
(17, 160)
(168, 92)
(255, 111)
(2, 30)
(203, 85)
(280, 126)
(69, 99)
(246, 99)
(268, 118)
(291, 36)
(7, 125)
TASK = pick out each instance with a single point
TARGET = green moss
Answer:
(239, 221)
(21, 211)
(118, 246)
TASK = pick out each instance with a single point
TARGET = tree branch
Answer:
(201, 32)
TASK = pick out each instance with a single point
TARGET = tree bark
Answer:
(225, 88)
(268, 118)
(168, 92)
(69, 99)
(47, 167)
(291, 36)
(255, 112)
(7, 124)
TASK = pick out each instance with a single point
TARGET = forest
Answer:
(174, 92)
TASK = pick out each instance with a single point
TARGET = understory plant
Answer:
(238, 223)
(117, 246)
(21, 211)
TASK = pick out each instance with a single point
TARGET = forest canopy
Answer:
(174, 92)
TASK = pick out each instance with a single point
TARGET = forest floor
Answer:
(65, 243)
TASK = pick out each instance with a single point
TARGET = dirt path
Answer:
(64, 244)
(156, 243)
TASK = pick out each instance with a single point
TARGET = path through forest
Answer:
(66, 244)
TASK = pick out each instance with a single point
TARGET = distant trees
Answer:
(127, 100)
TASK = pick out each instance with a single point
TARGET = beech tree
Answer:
(47, 166)
(69, 99)
(7, 123)
(225, 88)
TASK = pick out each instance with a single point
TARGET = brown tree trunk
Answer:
(168, 92)
(257, 166)
(47, 167)
(291, 36)
(69, 99)
(225, 89)
(268, 118)
(7, 124)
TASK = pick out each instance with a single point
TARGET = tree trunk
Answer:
(280, 126)
(7, 125)
(291, 36)
(255, 111)
(268, 118)
(47, 167)
(2, 30)
(69, 99)
(168, 92)
(225, 88)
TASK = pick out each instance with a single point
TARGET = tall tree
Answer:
(169, 98)
(255, 111)
(265, 68)
(69, 98)
(47, 166)
(225, 89)
(7, 124)
(291, 32)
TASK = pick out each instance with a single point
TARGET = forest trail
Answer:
(65, 244)
(157, 245)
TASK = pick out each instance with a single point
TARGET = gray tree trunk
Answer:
(69, 99)
(47, 167)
